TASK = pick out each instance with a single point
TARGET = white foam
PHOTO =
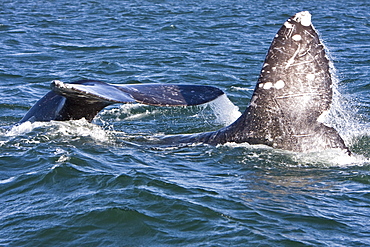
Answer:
(242, 88)
(330, 157)
(7, 180)
(245, 145)
(54, 129)
(81, 128)
(23, 128)
(326, 158)
(125, 109)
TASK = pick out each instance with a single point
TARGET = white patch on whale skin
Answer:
(279, 84)
(288, 25)
(297, 37)
(59, 84)
(303, 17)
(267, 85)
(291, 60)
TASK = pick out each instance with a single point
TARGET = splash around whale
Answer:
(293, 92)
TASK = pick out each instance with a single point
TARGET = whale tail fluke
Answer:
(86, 98)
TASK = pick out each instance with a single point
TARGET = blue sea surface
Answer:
(76, 183)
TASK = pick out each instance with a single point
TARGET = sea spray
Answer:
(55, 129)
(225, 111)
(127, 112)
(341, 116)
(23, 128)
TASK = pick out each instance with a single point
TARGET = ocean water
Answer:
(100, 184)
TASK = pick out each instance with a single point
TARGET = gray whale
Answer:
(293, 90)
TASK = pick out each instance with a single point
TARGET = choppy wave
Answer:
(47, 131)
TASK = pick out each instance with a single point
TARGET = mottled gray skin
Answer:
(293, 90)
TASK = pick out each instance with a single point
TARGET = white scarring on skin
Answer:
(279, 84)
(57, 82)
(304, 18)
(291, 60)
(288, 25)
(297, 37)
(267, 85)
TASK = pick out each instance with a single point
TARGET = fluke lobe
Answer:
(86, 98)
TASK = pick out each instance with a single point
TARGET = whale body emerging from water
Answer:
(293, 92)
